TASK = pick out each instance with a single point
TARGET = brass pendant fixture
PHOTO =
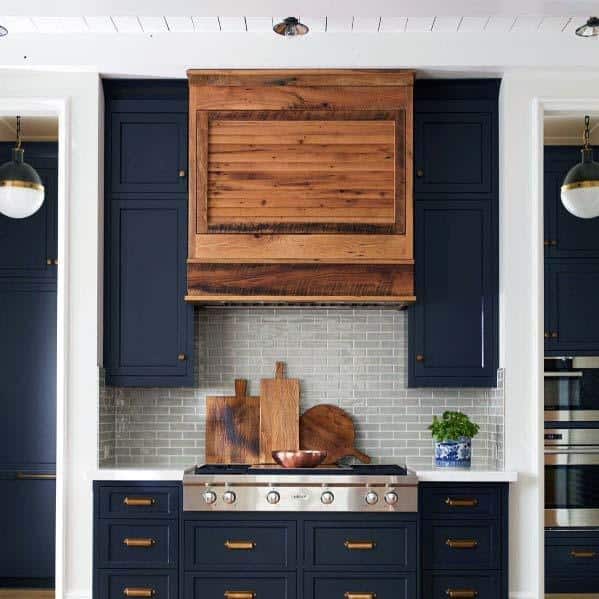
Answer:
(291, 26)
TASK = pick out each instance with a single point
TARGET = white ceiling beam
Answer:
(366, 24)
(100, 24)
(446, 24)
(180, 24)
(339, 24)
(232, 24)
(499, 24)
(526, 24)
(206, 24)
(259, 24)
(153, 24)
(316, 24)
(419, 24)
(554, 24)
(472, 24)
(18, 24)
(127, 24)
(393, 24)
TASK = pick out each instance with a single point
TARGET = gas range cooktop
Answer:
(355, 488)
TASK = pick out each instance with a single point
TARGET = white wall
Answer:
(82, 236)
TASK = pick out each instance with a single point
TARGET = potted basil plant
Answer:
(453, 434)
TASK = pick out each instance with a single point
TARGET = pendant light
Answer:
(580, 189)
(290, 26)
(589, 29)
(3, 31)
(21, 189)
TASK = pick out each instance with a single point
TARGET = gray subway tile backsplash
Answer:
(355, 358)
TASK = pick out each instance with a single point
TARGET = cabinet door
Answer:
(148, 153)
(26, 245)
(573, 287)
(566, 236)
(453, 326)
(28, 374)
(27, 524)
(150, 325)
(455, 153)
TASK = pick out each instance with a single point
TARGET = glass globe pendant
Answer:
(580, 189)
(21, 189)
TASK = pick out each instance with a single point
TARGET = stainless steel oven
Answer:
(572, 477)
(572, 389)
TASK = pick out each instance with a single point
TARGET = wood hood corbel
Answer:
(301, 186)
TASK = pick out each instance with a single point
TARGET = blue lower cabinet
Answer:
(360, 586)
(572, 561)
(361, 545)
(461, 586)
(239, 544)
(461, 502)
(135, 502)
(240, 586)
(135, 543)
(118, 584)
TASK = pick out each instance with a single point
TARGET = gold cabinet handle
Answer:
(240, 595)
(547, 335)
(420, 173)
(350, 595)
(419, 358)
(461, 543)
(32, 476)
(139, 501)
(582, 554)
(462, 502)
(554, 335)
(182, 357)
(139, 542)
(359, 545)
(461, 593)
(138, 592)
(181, 173)
(240, 545)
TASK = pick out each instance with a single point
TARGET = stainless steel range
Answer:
(241, 488)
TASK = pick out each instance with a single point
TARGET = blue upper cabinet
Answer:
(453, 327)
(28, 246)
(566, 236)
(148, 327)
(572, 289)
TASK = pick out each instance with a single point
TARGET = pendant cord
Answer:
(586, 138)
(18, 132)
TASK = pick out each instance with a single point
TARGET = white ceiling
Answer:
(33, 128)
(139, 24)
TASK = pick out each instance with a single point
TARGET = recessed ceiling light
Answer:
(290, 26)
(3, 31)
(589, 29)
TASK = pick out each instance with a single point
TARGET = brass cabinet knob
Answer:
(419, 358)
(420, 173)
(547, 334)
(182, 173)
(554, 335)
(182, 357)
(51, 261)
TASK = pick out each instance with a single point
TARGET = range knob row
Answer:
(228, 497)
(372, 498)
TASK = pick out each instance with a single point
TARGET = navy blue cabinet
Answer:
(148, 327)
(572, 288)
(28, 246)
(453, 327)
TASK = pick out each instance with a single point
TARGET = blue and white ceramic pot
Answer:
(453, 454)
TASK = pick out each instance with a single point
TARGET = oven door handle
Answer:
(570, 374)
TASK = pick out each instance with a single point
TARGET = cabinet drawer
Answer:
(470, 546)
(577, 558)
(130, 543)
(340, 544)
(139, 502)
(461, 586)
(239, 586)
(447, 500)
(113, 584)
(239, 545)
(355, 586)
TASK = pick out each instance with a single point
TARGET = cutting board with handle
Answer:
(233, 427)
(279, 414)
(330, 428)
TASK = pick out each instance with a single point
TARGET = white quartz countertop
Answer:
(472, 475)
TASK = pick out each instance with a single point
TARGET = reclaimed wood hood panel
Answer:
(301, 184)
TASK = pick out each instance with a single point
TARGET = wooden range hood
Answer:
(301, 186)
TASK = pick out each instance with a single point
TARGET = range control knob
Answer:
(209, 497)
(371, 498)
(273, 497)
(327, 498)
(391, 497)
(229, 497)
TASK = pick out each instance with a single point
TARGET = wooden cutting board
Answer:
(233, 427)
(279, 414)
(327, 427)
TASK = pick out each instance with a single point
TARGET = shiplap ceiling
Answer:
(189, 24)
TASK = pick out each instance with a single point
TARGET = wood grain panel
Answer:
(352, 280)
(279, 414)
(332, 249)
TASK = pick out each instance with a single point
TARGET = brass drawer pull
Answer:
(138, 592)
(181, 357)
(465, 502)
(181, 173)
(139, 501)
(577, 554)
(240, 545)
(359, 545)
(461, 593)
(31, 476)
(462, 543)
(240, 595)
(139, 542)
(350, 595)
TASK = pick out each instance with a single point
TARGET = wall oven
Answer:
(572, 389)
(572, 477)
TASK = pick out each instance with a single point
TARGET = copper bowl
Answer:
(300, 458)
